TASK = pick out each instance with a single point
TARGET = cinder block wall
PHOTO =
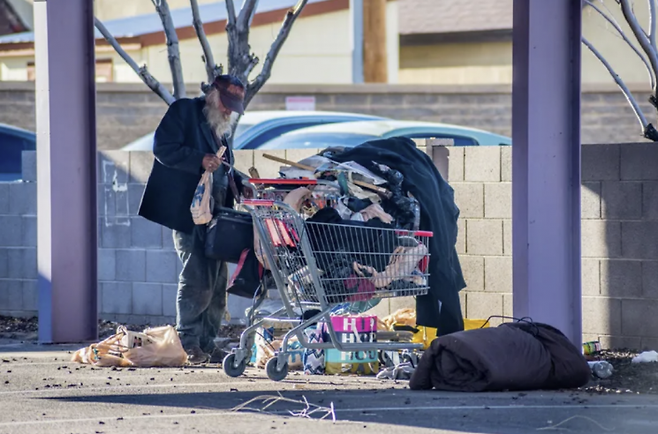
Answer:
(138, 267)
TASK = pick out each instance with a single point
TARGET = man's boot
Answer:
(196, 356)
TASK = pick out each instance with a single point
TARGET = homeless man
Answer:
(185, 145)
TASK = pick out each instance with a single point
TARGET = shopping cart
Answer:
(318, 265)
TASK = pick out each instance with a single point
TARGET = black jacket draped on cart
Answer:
(440, 308)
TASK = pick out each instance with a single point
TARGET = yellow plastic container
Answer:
(426, 335)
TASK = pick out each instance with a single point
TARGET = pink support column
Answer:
(546, 163)
(66, 170)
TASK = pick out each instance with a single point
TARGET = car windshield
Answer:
(317, 141)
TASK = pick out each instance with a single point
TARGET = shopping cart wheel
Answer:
(230, 368)
(273, 373)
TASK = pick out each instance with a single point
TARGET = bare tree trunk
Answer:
(240, 58)
(142, 72)
(266, 71)
(173, 50)
(212, 69)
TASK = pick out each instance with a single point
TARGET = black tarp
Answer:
(439, 214)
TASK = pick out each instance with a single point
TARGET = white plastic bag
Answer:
(201, 207)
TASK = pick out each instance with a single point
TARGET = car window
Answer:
(241, 128)
(275, 132)
(317, 141)
(458, 140)
(11, 149)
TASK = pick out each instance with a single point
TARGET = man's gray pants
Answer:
(201, 299)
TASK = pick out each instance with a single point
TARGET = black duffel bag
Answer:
(229, 233)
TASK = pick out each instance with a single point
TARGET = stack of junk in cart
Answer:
(335, 239)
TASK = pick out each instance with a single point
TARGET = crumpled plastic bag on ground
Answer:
(646, 357)
(158, 346)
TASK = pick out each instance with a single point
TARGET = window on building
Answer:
(104, 71)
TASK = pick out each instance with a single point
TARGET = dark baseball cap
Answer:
(231, 92)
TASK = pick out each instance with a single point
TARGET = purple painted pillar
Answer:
(66, 170)
(546, 163)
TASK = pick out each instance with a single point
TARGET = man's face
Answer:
(216, 104)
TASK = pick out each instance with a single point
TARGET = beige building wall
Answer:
(114, 9)
(491, 62)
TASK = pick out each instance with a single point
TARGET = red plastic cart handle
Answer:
(428, 234)
(258, 202)
(284, 181)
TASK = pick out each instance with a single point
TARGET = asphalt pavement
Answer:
(41, 391)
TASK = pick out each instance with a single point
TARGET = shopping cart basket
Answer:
(318, 265)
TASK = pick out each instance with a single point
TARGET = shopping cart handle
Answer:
(258, 202)
(427, 234)
(284, 181)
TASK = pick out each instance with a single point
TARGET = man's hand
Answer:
(211, 162)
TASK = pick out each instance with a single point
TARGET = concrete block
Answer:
(590, 200)
(621, 278)
(4, 198)
(455, 164)
(601, 239)
(13, 298)
(508, 305)
(107, 264)
(473, 269)
(30, 295)
(649, 279)
(147, 298)
(650, 200)
(498, 200)
(398, 303)
(141, 164)
(145, 234)
(135, 193)
(600, 162)
(4, 294)
(169, 293)
(469, 198)
(22, 263)
(268, 168)
(482, 164)
(116, 297)
(106, 200)
(461, 237)
(591, 276)
(498, 274)
(639, 318)
(29, 231)
(115, 232)
(462, 302)
(602, 316)
(23, 198)
(507, 237)
(167, 238)
(243, 160)
(506, 163)
(638, 161)
(29, 166)
(161, 266)
(639, 240)
(114, 167)
(619, 342)
(481, 305)
(484, 237)
(621, 200)
(4, 263)
(297, 155)
(131, 265)
(647, 344)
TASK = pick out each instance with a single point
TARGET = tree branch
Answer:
(209, 60)
(631, 100)
(230, 11)
(652, 24)
(142, 72)
(246, 15)
(615, 24)
(173, 50)
(266, 71)
(641, 36)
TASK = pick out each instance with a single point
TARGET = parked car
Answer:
(258, 127)
(349, 134)
(13, 141)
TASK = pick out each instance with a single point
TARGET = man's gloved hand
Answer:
(211, 162)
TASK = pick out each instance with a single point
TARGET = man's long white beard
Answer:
(218, 121)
